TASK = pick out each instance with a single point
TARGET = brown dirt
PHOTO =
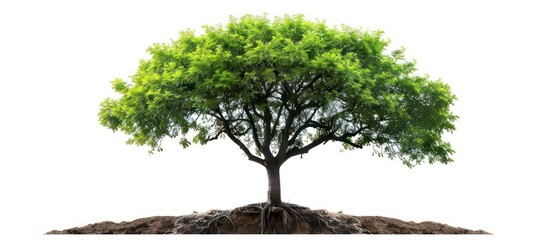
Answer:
(246, 220)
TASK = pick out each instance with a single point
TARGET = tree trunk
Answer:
(274, 186)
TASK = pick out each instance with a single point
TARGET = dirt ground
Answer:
(247, 219)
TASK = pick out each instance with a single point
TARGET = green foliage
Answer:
(280, 88)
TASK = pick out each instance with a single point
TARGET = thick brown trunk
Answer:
(274, 186)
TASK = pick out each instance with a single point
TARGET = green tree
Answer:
(280, 88)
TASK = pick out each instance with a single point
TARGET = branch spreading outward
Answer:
(232, 134)
(280, 88)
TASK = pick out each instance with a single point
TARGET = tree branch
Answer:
(345, 138)
(267, 133)
(276, 121)
(215, 135)
(255, 112)
(282, 151)
(347, 141)
(233, 138)
(308, 123)
(311, 83)
(253, 128)
(298, 151)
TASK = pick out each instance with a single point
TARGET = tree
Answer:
(280, 88)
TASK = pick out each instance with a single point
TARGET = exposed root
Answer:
(292, 215)
(269, 215)
(248, 220)
(329, 223)
(203, 223)
(214, 222)
(266, 218)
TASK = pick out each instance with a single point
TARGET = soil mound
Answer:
(247, 219)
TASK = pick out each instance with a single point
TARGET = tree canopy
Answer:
(278, 88)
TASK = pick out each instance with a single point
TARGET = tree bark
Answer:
(274, 186)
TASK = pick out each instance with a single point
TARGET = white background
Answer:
(60, 169)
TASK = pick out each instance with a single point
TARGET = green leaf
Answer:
(256, 79)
